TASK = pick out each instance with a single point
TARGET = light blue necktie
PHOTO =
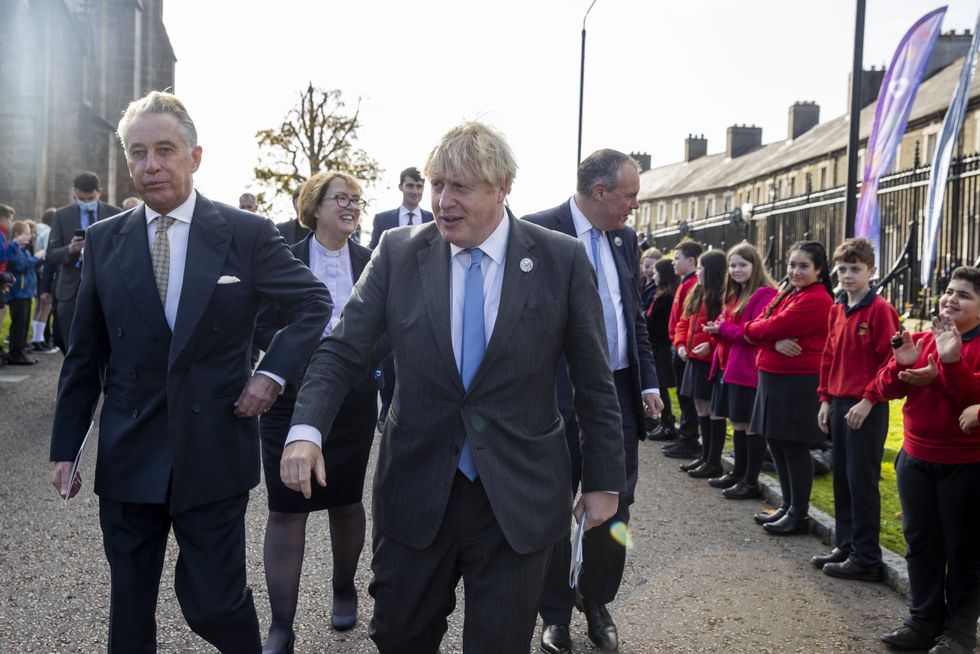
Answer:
(608, 310)
(474, 343)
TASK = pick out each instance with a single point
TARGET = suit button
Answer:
(119, 332)
(132, 374)
(190, 367)
(216, 327)
(136, 413)
(454, 450)
(196, 408)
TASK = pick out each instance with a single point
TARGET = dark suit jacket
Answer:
(66, 220)
(271, 318)
(388, 220)
(509, 413)
(626, 254)
(167, 420)
(292, 231)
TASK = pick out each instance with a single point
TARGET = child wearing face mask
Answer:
(938, 470)
(791, 334)
(748, 291)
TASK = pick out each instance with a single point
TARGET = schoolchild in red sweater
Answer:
(854, 413)
(686, 255)
(696, 346)
(748, 291)
(791, 336)
(938, 470)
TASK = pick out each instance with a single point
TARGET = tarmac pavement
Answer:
(701, 577)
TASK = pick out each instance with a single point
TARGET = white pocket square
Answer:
(228, 279)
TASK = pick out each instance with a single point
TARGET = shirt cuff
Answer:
(655, 391)
(274, 377)
(307, 433)
(610, 492)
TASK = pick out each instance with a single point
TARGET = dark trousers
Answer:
(603, 556)
(388, 382)
(414, 590)
(857, 468)
(64, 312)
(20, 318)
(209, 579)
(688, 427)
(941, 523)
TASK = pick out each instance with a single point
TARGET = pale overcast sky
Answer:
(655, 71)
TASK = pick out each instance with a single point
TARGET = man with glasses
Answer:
(412, 186)
(605, 196)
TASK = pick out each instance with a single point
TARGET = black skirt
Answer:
(345, 452)
(696, 383)
(786, 408)
(732, 401)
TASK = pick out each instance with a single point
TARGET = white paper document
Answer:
(576, 567)
(78, 460)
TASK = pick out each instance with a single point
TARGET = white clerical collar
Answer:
(324, 250)
(495, 245)
(183, 213)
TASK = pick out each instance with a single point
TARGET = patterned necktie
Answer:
(474, 343)
(608, 310)
(160, 254)
(411, 218)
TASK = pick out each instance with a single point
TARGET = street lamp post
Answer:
(850, 201)
(581, 85)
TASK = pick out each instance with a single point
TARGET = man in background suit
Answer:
(167, 305)
(608, 183)
(65, 247)
(411, 184)
(291, 230)
(473, 478)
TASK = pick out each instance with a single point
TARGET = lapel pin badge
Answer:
(618, 241)
(526, 264)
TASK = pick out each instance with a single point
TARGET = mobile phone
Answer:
(79, 233)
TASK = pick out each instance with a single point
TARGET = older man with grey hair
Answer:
(167, 304)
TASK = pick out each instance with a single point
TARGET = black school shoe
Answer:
(742, 491)
(850, 570)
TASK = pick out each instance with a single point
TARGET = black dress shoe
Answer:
(21, 361)
(555, 639)
(665, 432)
(788, 525)
(766, 516)
(287, 648)
(946, 645)
(690, 465)
(907, 638)
(727, 480)
(683, 449)
(742, 491)
(705, 471)
(850, 570)
(343, 621)
(602, 629)
(836, 555)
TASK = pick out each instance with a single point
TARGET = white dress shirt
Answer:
(495, 249)
(177, 235)
(333, 268)
(403, 212)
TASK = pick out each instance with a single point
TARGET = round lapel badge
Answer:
(618, 241)
(526, 265)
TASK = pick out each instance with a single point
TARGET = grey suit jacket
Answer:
(509, 412)
(67, 274)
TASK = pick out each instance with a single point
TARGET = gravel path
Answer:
(702, 577)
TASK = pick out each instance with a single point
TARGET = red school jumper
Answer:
(802, 315)
(677, 308)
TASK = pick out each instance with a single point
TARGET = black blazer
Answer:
(626, 254)
(389, 220)
(66, 220)
(271, 318)
(292, 231)
(167, 421)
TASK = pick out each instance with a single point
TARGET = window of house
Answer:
(710, 206)
(792, 187)
(693, 206)
(661, 213)
(823, 178)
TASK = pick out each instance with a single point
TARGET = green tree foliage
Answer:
(317, 134)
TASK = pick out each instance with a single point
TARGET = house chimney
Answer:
(743, 139)
(870, 85)
(695, 147)
(950, 46)
(641, 158)
(803, 116)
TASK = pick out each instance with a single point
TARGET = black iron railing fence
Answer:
(773, 227)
